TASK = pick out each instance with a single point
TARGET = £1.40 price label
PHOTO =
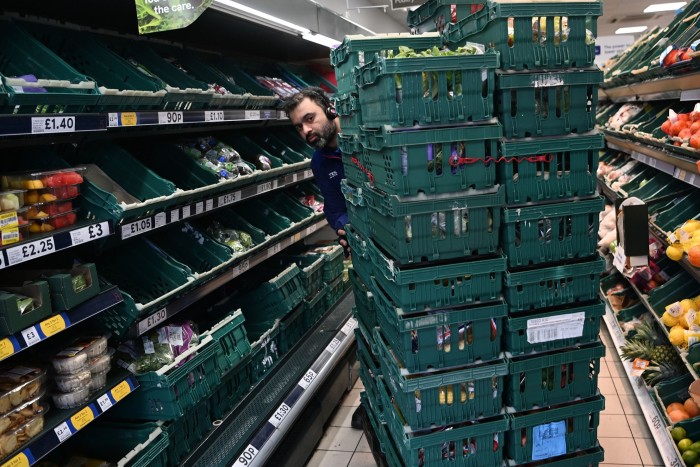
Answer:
(28, 251)
(55, 124)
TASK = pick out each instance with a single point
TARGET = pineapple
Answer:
(663, 371)
(647, 344)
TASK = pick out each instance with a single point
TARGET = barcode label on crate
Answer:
(555, 328)
(548, 440)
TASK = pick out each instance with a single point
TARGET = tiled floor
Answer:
(622, 432)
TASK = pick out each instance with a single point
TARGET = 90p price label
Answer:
(246, 457)
(170, 118)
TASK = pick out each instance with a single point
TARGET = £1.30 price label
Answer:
(28, 251)
(152, 321)
(279, 415)
(170, 118)
(55, 124)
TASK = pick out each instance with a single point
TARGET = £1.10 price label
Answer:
(89, 233)
(214, 116)
(28, 251)
(55, 124)
(170, 118)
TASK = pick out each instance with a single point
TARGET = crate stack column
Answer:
(418, 135)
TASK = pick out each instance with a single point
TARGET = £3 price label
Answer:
(55, 124)
(89, 233)
(31, 336)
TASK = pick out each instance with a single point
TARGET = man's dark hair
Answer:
(316, 94)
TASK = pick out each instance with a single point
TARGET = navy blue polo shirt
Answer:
(327, 166)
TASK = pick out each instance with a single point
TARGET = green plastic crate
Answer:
(347, 106)
(311, 271)
(546, 233)
(315, 307)
(260, 97)
(233, 387)
(265, 353)
(121, 86)
(281, 146)
(66, 89)
(530, 331)
(440, 337)
(358, 212)
(370, 369)
(541, 45)
(290, 208)
(333, 266)
(429, 285)
(443, 397)
(336, 289)
(435, 227)
(475, 443)
(429, 161)
(63, 296)
(232, 339)
(553, 285)
(11, 319)
(547, 104)
(546, 169)
(127, 444)
(670, 391)
(554, 377)
(292, 329)
(262, 226)
(436, 100)
(435, 15)
(185, 433)
(172, 391)
(263, 216)
(356, 50)
(271, 293)
(372, 423)
(570, 427)
(366, 311)
(193, 247)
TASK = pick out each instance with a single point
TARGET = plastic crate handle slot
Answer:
(456, 161)
(371, 72)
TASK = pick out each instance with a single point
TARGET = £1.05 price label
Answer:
(170, 118)
(28, 251)
(136, 228)
(56, 124)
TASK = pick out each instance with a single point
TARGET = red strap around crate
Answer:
(362, 168)
(456, 161)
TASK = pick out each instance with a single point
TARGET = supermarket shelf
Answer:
(53, 124)
(681, 167)
(683, 87)
(660, 235)
(241, 265)
(43, 330)
(220, 200)
(606, 191)
(650, 410)
(79, 234)
(252, 430)
(59, 425)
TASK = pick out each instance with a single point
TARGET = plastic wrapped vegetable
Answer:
(24, 304)
(79, 283)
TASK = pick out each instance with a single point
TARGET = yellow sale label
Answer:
(20, 460)
(82, 418)
(53, 325)
(9, 219)
(9, 236)
(6, 348)
(121, 390)
(129, 119)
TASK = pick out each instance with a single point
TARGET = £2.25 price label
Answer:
(55, 124)
(27, 251)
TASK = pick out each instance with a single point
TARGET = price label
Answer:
(279, 415)
(185, 212)
(82, 418)
(153, 320)
(104, 402)
(63, 432)
(53, 325)
(209, 205)
(129, 119)
(229, 198)
(241, 267)
(283, 115)
(308, 173)
(214, 116)
(136, 228)
(273, 250)
(311, 229)
(175, 335)
(113, 119)
(246, 457)
(121, 390)
(170, 118)
(28, 251)
(6, 348)
(333, 346)
(267, 186)
(252, 115)
(656, 421)
(308, 378)
(31, 336)
(619, 260)
(199, 208)
(297, 237)
(89, 233)
(174, 215)
(159, 220)
(294, 178)
(349, 326)
(57, 124)
(20, 460)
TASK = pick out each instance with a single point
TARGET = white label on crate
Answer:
(113, 119)
(308, 173)
(58, 124)
(148, 347)
(209, 205)
(333, 346)
(555, 327)
(170, 118)
(185, 212)
(252, 115)
(104, 402)
(246, 457)
(89, 233)
(229, 198)
(35, 249)
(307, 379)
(161, 219)
(279, 415)
(214, 116)
(175, 335)
(174, 215)
(547, 81)
(675, 309)
(31, 336)
(274, 249)
(548, 440)
(136, 228)
(63, 432)
(349, 326)
(242, 267)
(153, 320)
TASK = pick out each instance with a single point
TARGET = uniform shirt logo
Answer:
(333, 174)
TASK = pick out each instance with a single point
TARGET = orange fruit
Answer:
(678, 415)
(692, 408)
(674, 406)
(694, 255)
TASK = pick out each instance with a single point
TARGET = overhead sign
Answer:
(398, 4)
(164, 15)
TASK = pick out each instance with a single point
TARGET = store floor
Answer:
(622, 432)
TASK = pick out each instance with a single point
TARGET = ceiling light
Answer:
(258, 16)
(321, 39)
(631, 30)
(664, 7)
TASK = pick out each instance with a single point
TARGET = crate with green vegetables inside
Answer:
(568, 427)
(233, 230)
(428, 87)
(267, 155)
(356, 50)
(121, 86)
(443, 396)
(23, 305)
(547, 104)
(443, 160)
(280, 145)
(36, 81)
(531, 36)
(429, 285)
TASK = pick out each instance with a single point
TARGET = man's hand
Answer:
(343, 241)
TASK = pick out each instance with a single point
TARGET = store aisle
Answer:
(623, 432)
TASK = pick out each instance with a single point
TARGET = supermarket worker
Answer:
(314, 117)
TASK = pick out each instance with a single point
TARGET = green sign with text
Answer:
(164, 15)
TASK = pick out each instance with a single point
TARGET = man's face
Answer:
(310, 120)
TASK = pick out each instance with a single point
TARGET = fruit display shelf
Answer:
(683, 87)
